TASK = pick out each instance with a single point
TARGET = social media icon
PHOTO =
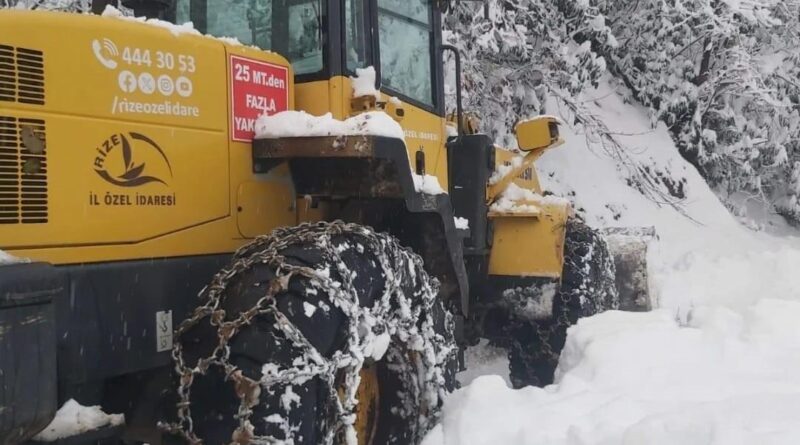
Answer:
(165, 85)
(183, 86)
(147, 84)
(127, 81)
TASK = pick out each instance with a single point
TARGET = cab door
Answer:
(400, 38)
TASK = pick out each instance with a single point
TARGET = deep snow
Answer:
(718, 362)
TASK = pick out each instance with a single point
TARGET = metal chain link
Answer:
(561, 321)
(394, 313)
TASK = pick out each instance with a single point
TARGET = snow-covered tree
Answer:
(519, 52)
(55, 5)
(514, 49)
(722, 74)
(82, 6)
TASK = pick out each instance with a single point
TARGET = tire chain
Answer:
(562, 322)
(564, 319)
(435, 350)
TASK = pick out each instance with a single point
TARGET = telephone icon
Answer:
(105, 53)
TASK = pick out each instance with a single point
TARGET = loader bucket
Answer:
(629, 246)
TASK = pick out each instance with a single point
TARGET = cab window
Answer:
(405, 48)
(305, 36)
(355, 34)
(292, 28)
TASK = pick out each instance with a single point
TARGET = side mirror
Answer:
(539, 133)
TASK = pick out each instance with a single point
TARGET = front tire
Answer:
(276, 351)
(587, 288)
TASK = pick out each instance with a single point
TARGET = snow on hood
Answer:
(504, 170)
(557, 119)
(461, 223)
(301, 124)
(364, 83)
(186, 28)
(516, 199)
(6, 258)
(176, 30)
(427, 184)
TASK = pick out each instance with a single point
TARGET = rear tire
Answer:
(275, 352)
(587, 288)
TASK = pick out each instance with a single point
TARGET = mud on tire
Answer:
(274, 353)
(587, 288)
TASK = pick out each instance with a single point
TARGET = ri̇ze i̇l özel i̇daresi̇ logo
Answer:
(126, 160)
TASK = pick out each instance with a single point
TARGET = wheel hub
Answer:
(368, 408)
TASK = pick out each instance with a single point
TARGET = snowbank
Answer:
(73, 419)
(717, 363)
(299, 124)
(703, 252)
(633, 378)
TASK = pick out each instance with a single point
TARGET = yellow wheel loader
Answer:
(218, 283)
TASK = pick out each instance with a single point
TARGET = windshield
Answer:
(292, 28)
(405, 46)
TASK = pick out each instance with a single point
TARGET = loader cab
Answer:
(327, 41)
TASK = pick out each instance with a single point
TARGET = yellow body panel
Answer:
(426, 132)
(140, 162)
(140, 167)
(315, 98)
(257, 201)
(529, 246)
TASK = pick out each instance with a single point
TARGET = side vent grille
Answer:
(21, 75)
(23, 171)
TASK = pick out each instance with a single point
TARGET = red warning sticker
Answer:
(256, 88)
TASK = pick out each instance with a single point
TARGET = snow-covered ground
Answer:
(718, 361)
(73, 419)
(484, 359)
